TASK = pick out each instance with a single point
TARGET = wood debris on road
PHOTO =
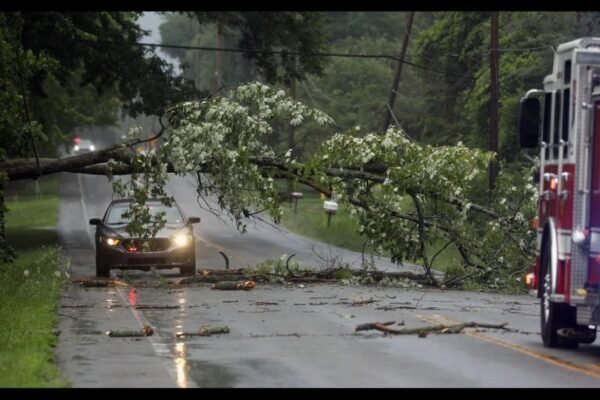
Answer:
(425, 330)
(362, 302)
(227, 285)
(155, 307)
(100, 282)
(77, 306)
(205, 331)
(145, 331)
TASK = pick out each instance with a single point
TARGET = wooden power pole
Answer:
(494, 99)
(218, 56)
(392, 100)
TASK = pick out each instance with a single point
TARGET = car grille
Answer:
(158, 244)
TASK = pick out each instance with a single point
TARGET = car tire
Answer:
(102, 270)
(554, 316)
(188, 270)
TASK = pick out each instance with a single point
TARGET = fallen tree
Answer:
(404, 196)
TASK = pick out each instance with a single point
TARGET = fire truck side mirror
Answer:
(529, 122)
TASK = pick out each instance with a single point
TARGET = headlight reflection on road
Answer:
(181, 367)
(181, 364)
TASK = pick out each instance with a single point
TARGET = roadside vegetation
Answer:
(30, 288)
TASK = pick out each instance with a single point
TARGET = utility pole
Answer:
(218, 71)
(494, 99)
(392, 100)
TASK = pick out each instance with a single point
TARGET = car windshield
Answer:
(115, 215)
(85, 143)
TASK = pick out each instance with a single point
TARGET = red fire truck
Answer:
(563, 120)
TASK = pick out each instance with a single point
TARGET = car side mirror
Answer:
(95, 221)
(193, 220)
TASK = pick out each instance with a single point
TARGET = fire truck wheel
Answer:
(555, 316)
(592, 337)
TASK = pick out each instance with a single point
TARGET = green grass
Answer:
(310, 220)
(30, 290)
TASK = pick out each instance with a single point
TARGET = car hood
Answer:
(166, 232)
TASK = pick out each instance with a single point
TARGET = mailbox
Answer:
(330, 207)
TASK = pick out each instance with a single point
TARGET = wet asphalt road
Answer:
(288, 336)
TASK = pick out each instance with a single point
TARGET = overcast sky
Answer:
(151, 21)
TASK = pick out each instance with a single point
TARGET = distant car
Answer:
(83, 146)
(173, 247)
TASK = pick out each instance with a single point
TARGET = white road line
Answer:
(158, 343)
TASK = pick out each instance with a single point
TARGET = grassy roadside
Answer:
(310, 220)
(30, 288)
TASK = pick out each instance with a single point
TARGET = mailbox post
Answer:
(330, 209)
(296, 196)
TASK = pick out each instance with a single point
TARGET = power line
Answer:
(342, 55)
(296, 53)
(485, 53)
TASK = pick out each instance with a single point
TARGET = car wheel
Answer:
(555, 316)
(188, 269)
(102, 270)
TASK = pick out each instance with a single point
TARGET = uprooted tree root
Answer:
(425, 330)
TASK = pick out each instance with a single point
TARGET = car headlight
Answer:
(92, 148)
(182, 239)
(76, 148)
(110, 241)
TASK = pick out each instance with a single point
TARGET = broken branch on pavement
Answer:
(425, 330)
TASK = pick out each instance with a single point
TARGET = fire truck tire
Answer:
(554, 316)
(591, 339)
